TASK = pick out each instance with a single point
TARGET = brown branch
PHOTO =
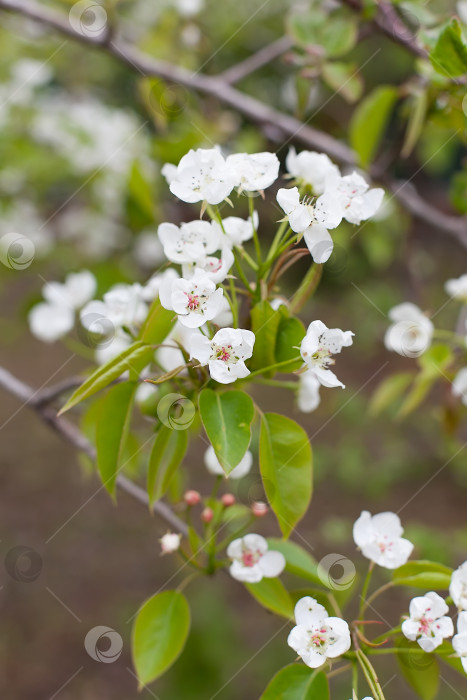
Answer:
(285, 125)
(37, 400)
(255, 61)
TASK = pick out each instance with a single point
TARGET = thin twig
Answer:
(255, 61)
(37, 400)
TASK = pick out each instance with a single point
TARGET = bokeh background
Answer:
(82, 141)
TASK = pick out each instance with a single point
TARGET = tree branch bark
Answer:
(291, 128)
(38, 401)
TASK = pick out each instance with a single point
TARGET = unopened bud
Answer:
(192, 498)
(207, 515)
(227, 500)
(259, 509)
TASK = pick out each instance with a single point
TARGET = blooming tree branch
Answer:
(217, 86)
(39, 401)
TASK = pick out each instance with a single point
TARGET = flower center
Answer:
(250, 557)
(322, 357)
(425, 625)
(193, 301)
(224, 353)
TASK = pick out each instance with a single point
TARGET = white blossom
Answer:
(411, 331)
(170, 356)
(318, 347)
(151, 289)
(148, 251)
(252, 561)
(170, 542)
(216, 268)
(317, 637)
(253, 172)
(122, 306)
(237, 230)
(311, 168)
(308, 398)
(357, 201)
(225, 354)
(458, 587)
(49, 322)
(54, 318)
(202, 175)
(214, 466)
(312, 219)
(191, 242)
(195, 301)
(380, 539)
(76, 291)
(428, 623)
(459, 385)
(457, 288)
(459, 641)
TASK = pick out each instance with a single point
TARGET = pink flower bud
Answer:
(192, 498)
(259, 509)
(207, 515)
(227, 500)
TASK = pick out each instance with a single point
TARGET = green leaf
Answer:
(420, 670)
(344, 79)
(286, 468)
(423, 574)
(437, 358)
(389, 391)
(336, 33)
(133, 358)
(272, 594)
(298, 561)
(449, 56)
(369, 122)
(265, 325)
(112, 431)
(159, 634)
(158, 324)
(167, 453)
(297, 682)
(227, 421)
(421, 386)
(418, 103)
(290, 334)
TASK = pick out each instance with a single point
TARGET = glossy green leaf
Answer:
(297, 682)
(167, 453)
(112, 428)
(369, 122)
(227, 421)
(345, 79)
(423, 574)
(290, 334)
(159, 634)
(286, 468)
(389, 391)
(132, 359)
(449, 56)
(158, 324)
(272, 594)
(265, 325)
(420, 670)
(298, 561)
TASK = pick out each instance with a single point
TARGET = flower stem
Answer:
(366, 583)
(270, 367)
